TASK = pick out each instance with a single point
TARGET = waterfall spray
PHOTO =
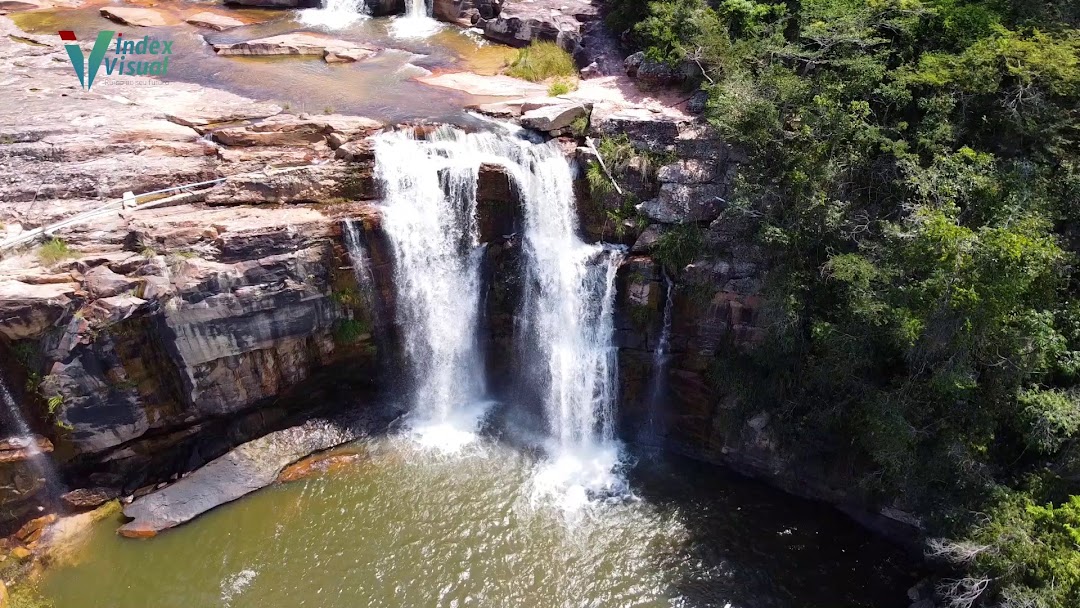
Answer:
(335, 14)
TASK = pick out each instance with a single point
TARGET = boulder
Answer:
(646, 129)
(202, 116)
(298, 44)
(21, 449)
(252, 466)
(109, 311)
(130, 15)
(654, 74)
(89, 498)
(27, 311)
(102, 282)
(689, 171)
(647, 239)
(681, 203)
(22, 5)
(552, 118)
(214, 21)
(520, 22)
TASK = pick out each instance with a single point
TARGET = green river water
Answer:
(410, 527)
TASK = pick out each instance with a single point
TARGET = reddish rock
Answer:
(319, 464)
(33, 529)
(89, 498)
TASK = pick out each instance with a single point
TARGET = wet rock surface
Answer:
(331, 50)
(252, 466)
(130, 15)
(213, 21)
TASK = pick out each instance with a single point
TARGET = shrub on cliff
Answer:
(915, 167)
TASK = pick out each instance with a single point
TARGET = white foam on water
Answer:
(334, 14)
(574, 479)
(234, 585)
(452, 434)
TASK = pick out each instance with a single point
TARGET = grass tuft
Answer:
(53, 251)
(542, 60)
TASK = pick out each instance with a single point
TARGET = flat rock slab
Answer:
(299, 44)
(214, 21)
(129, 15)
(250, 467)
(486, 86)
(552, 118)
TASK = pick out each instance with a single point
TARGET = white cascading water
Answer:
(654, 429)
(335, 14)
(360, 261)
(429, 215)
(20, 432)
(417, 22)
(12, 414)
(568, 310)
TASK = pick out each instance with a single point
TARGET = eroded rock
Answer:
(252, 466)
(298, 44)
(679, 203)
(131, 15)
(89, 498)
(214, 21)
(552, 117)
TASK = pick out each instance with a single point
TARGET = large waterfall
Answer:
(429, 215)
(566, 314)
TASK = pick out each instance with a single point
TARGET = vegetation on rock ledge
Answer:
(914, 175)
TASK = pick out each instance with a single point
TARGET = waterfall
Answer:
(16, 431)
(417, 22)
(335, 14)
(568, 318)
(356, 246)
(429, 215)
(12, 415)
(653, 432)
(568, 307)
(361, 262)
(417, 9)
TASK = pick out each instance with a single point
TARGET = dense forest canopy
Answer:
(915, 179)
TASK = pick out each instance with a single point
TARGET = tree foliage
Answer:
(914, 178)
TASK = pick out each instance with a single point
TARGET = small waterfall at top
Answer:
(417, 22)
(429, 215)
(335, 14)
(653, 432)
